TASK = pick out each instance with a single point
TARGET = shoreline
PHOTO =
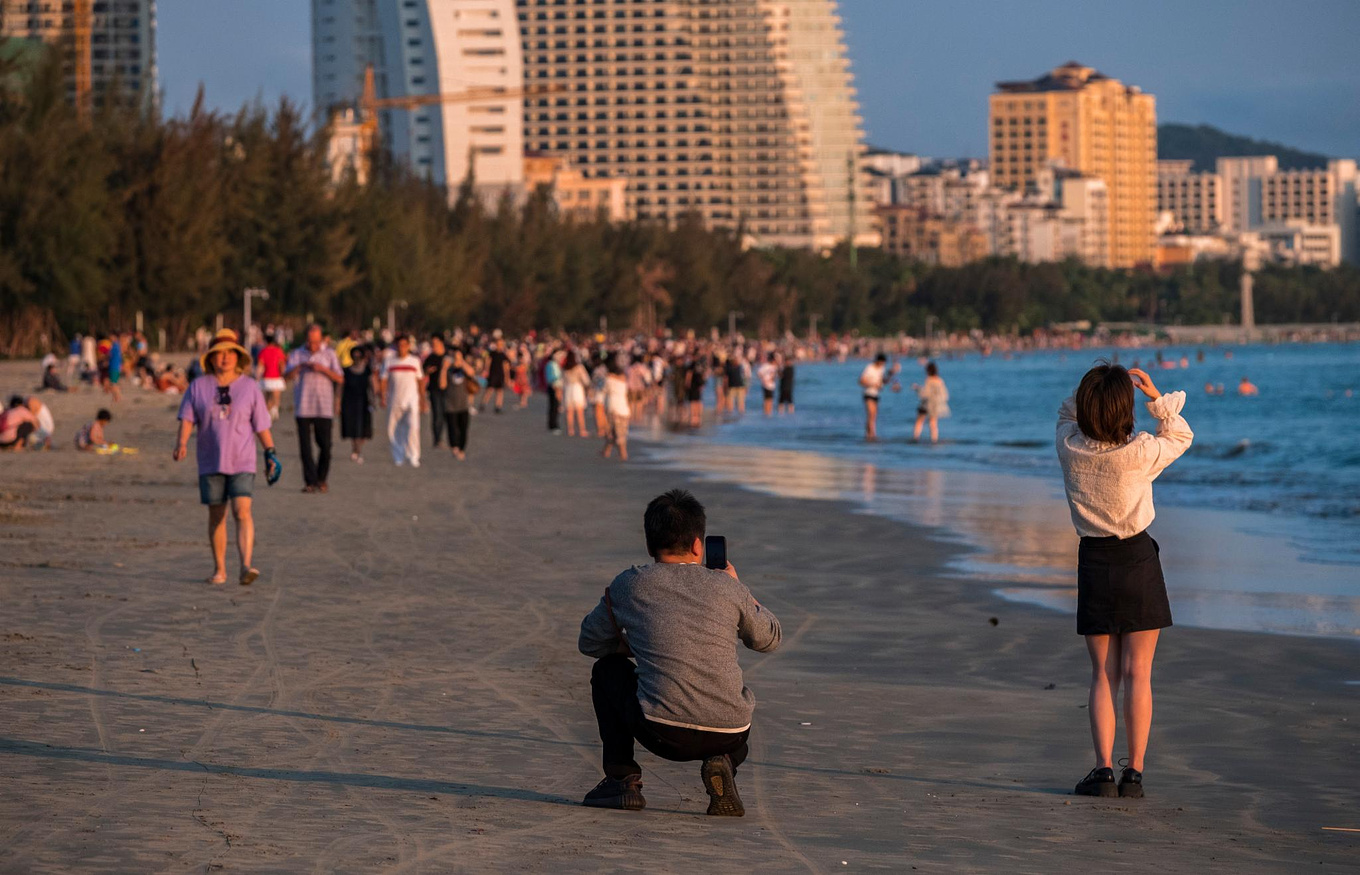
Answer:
(401, 688)
(1019, 539)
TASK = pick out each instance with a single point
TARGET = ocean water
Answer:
(1259, 522)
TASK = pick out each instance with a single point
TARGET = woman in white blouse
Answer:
(934, 403)
(1121, 595)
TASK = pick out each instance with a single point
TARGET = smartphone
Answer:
(715, 552)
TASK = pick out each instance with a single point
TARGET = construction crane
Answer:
(82, 26)
(370, 104)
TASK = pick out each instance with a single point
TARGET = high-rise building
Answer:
(1083, 120)
(742, 111)
(122, 41)
(457, 49)
(1258, 196)
(1194, 199)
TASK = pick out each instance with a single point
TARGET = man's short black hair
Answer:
(673, 522)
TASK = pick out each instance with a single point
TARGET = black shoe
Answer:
(1131, 784)
(721, 784)
(623, 793)
(1100, 782)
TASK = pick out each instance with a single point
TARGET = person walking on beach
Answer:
(356, 400)
(455, 376)
(684, 699)
(933, 405)
(315, 370)
(230, 413)
(497, 374)
(552, 379)
(270, 366)
(403, 394)
(617, 410)
(1121, 594)
(433, 364)
(871, 380)
(575, 381)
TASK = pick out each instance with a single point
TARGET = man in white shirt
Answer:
(871, 380)
(402, 390)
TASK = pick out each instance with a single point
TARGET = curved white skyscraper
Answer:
(465, 50)
(740, 111)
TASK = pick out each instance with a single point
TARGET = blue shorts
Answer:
(217, 488)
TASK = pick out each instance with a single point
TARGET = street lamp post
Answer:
(732, 317)
(392, 315)
(812, 331)
(245, 307)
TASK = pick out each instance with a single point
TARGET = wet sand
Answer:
(401, 688)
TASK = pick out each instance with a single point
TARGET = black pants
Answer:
(315, 471)
(437, 415)
(554, 410)
(613, 689)
(458, 429)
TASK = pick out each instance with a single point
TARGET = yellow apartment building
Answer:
(1083, 120)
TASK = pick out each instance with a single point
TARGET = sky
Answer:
(1282, 70)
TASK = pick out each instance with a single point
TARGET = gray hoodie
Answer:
(682, 623)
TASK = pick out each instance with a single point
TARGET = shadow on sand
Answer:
(35, 749)
(349, 779)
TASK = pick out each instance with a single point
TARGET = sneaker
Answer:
(415, 463)
(721, 785)
(625, 794)
(1131, 784)
(1099, 782)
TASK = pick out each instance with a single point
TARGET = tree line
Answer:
(173, 217)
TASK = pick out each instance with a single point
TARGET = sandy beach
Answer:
(401, 689)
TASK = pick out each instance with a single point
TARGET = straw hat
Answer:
(225, 339)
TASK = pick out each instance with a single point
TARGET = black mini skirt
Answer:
(1120, 587)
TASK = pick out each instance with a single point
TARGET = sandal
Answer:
(248, 576)
(215, 581)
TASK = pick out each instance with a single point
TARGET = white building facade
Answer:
(465, 52)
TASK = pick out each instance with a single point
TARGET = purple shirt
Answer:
(226, 435)
(314, 392)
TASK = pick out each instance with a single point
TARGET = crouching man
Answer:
(684, 700)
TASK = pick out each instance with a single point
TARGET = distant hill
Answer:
(1205, 144)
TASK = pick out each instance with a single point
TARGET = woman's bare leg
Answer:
(916, 431)
(934, 430)
(245, 530)
(1105, 674)
(1138, 649)
(217, 540)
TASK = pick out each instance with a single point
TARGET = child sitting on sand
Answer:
(1121, 595)
(91, 435)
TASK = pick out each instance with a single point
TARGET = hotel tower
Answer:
(740, 111)
(1085, 121)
